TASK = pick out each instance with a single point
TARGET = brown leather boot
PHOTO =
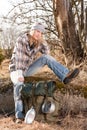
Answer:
(19, 121)
(70, 76)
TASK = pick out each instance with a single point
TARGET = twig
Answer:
(7, 114)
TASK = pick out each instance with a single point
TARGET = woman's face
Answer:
(36, 34)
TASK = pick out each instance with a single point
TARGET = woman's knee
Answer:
(47, 56)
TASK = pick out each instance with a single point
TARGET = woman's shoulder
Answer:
(23, 37)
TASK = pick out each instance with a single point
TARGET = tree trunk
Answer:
(82, 15)
(66, 30)
(86, 24)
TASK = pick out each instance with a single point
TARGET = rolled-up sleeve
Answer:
(19, 53)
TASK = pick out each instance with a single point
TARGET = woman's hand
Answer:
(21, 79)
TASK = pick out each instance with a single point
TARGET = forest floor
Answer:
(77, 122)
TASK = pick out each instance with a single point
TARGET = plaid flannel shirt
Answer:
(24, 54)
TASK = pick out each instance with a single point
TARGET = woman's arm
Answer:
(45, 48)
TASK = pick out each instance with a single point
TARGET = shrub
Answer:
(2, 57)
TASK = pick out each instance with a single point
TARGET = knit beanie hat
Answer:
(39, 27)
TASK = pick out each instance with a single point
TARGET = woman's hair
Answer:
(34, 41)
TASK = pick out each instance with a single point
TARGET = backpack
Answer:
(42, 88)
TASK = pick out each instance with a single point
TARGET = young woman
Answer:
(23, 63)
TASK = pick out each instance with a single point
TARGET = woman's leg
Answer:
(48, 60)
(17, 93)
(18, 101)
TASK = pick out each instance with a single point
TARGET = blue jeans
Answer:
(59, 70)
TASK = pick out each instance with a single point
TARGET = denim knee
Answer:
(47, 58)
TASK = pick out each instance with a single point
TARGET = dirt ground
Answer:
(9, 124)
(78, 122)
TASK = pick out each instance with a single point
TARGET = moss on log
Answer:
(6, 84)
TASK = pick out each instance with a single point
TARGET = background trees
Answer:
(65, 21)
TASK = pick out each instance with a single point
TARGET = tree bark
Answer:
(66, 31)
